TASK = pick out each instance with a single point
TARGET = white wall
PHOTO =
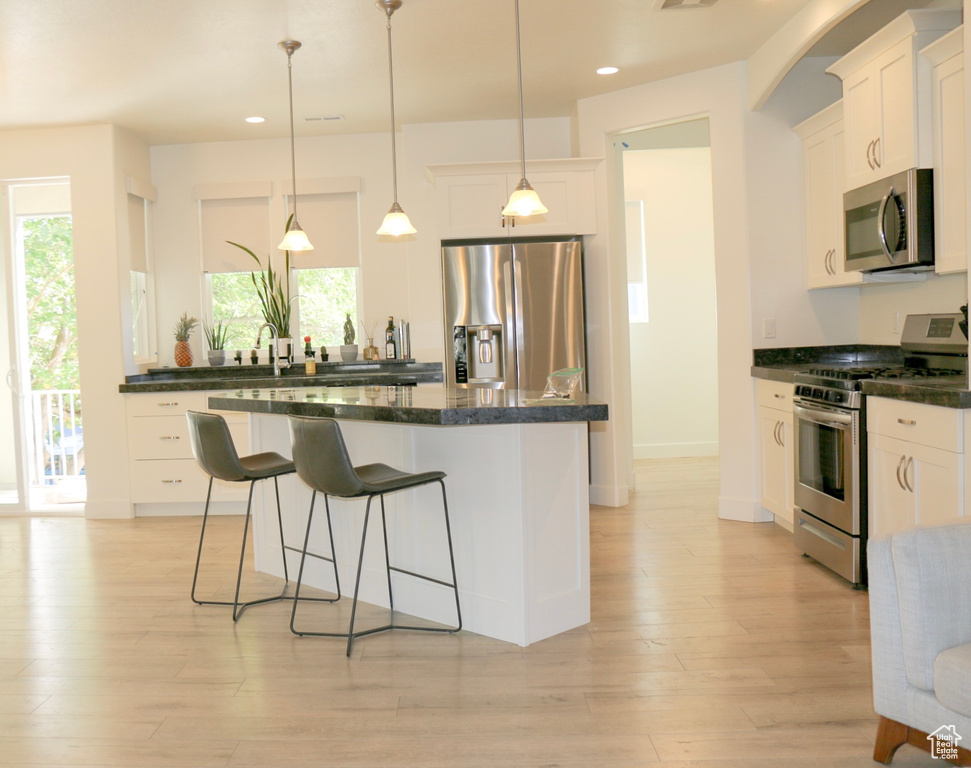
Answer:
(674, 356)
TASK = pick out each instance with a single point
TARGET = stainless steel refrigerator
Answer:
(513, 311)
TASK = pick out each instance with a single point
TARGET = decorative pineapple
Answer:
(183, 329)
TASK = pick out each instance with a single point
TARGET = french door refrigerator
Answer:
(513, 311)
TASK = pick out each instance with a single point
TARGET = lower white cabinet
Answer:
(776, 449)
(915, 465)
(161, 465)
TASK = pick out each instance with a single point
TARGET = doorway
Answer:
(42, 469)
(671, 290)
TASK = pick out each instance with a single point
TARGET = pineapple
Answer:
(183, 329)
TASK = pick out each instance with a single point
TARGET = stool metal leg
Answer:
(238, 607)
(303, 559)
(279, 519)
(387, 555)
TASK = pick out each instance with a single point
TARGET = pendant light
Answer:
(396, 222)
(295, 239)
(523, 201)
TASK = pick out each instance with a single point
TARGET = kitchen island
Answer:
(518, 494)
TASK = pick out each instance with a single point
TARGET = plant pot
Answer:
(348, 352)
(217, 356)
(183, 354)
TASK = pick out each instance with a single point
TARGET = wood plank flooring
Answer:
(713, 643)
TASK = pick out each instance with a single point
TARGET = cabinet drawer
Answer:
(167, 437)
(166, 403)
(775, 394)
(179, 480)
(916, 423)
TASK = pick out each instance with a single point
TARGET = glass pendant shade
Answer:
(396, 223)
(295, 239)
(524, 202)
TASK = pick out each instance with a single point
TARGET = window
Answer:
(636, 262)
(321, 298)
(141, 348)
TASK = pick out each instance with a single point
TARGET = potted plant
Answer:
(183, 329)
(273, 290)
(349, 348)
(216, 335)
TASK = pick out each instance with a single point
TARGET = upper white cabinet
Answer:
(471, 198)
(823, 139)
(946, 57)
(886, 97)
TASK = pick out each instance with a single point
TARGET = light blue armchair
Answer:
(920, 627)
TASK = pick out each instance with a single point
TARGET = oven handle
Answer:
(835, 419)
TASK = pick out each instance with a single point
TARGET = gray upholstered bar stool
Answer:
(322, 462)
(214, 450)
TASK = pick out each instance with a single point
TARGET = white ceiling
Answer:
(177, 71)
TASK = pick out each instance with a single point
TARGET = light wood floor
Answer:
(712, 643)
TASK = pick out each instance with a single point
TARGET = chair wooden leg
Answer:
(891, 735)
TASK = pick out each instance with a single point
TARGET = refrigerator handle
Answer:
(512, 322)
(519, 337)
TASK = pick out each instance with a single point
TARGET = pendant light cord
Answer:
(394, 153)
(522, 127)
(293, 159)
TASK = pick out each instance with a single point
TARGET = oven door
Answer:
(827, 459)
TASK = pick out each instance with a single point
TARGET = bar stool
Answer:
(213, 449)
(322, 462)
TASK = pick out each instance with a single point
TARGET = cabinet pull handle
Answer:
(777, 396)
(899, 481)
(167, 405)
(876, 159)
(169, 437)
(775, 433)
(907, 422)
(171, 482)
(782, 434)
(908, 466)
(869, 156)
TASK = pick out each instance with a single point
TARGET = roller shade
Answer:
(331, 223)
(245, 221)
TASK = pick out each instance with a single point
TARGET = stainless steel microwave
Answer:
(889, 224)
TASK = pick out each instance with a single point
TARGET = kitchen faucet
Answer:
(275, 339)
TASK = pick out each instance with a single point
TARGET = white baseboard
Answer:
(187, 509)
(607, 496)
(744, 510)
(108, 510)
(675, 450)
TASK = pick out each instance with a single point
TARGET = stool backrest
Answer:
(320, 456)
(212, 446)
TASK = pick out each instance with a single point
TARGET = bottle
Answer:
(390, 349)
(310, 359)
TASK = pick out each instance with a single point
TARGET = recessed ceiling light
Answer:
(607, 70)
(255, 119)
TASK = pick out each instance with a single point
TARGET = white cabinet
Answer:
(915, 465)
(776, 449)
(824, 172)
(886, 105)
(470, 198)
(161, 465)
(947, 110)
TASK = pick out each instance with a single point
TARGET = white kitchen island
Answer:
(517, 490)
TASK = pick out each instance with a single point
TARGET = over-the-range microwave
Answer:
(889, 224)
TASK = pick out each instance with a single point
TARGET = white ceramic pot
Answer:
(348, 352)
(217, 356)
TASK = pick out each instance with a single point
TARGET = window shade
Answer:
(331, 222)
(137, 233)
(244, 220)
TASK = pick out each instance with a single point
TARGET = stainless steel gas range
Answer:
(829, 415)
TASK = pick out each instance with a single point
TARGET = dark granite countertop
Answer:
(429, 404)
(782, 365)
(330, 374)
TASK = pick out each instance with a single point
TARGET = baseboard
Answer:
(187, 509)
(108, 510)
(744, 510)
(675, 450)
(609, 496)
